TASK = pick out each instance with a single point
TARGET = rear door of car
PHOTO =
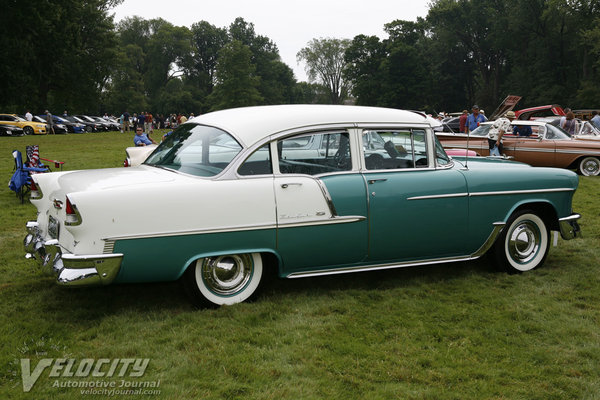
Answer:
(416, 211)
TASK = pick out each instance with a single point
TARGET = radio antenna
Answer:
(467, 154)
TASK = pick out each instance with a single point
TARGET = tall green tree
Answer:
(276, 78)
(201, 64)
(478, 28)
(58, 53)
(325, 64)
(237, 83)
(363, 58)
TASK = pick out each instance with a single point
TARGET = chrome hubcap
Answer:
(227, 275)
(524, 242)
(591, 167)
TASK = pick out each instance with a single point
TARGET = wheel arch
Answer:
(543, 208)
(577, 160)
(271, 259)
(576, 163)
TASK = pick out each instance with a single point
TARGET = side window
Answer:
(420, 148)
(315, 153)
(259, 163)
(441, 158)
(397, 149)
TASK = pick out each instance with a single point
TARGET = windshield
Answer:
(589, 129)
(481, 130)
(196, 149)
(554, 133)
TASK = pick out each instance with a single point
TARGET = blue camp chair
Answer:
(20, 182)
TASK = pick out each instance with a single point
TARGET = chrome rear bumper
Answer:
(70, 269)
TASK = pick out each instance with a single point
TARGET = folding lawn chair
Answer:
(20, 182)
(33, 158)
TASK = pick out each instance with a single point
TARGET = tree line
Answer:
(69, 54)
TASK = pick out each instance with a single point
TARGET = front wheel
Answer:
(28, 130)
(523, 244)
(224, 280)
(589, 166)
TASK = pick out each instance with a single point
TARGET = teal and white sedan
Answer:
(295, 191)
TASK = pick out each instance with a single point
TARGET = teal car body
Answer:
(305, 190)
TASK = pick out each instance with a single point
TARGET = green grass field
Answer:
(452, 331)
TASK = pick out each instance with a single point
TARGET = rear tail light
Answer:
(36, 193)
(72, 214)
(126, 162)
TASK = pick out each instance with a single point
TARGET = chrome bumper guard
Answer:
(70, 269)
(569, 228)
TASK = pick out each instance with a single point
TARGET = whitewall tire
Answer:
(523, 244)
(589, 166)
(225, 279)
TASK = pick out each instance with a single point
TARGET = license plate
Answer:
(53, 227)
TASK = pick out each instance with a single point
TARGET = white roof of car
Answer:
(250, 124)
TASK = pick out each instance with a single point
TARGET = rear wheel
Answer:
(589, 166)
(523, 244)
(224, 280)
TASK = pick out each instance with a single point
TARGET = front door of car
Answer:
(321, 204)
(415, 212)
(535, 150)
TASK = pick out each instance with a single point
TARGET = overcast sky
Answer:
(290, 25)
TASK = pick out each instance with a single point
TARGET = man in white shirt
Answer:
(28, 116)
(498, 129)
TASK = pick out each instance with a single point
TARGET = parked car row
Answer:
(28, 127)
(537, 142)
(18, 125)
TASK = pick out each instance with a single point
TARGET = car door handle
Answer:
(372, 181)
(285, 185)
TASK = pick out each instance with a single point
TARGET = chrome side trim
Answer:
(498, 226)
(376, 267)
(438, 196)
(329, 221)
(505, 192)
(495, 193)
(558, 151)
(194, 232)
(109, 247)
(328, 198)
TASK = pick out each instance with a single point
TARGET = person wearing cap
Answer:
(474, 119)
(498, 129)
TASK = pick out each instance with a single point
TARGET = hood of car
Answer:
(478, 162)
